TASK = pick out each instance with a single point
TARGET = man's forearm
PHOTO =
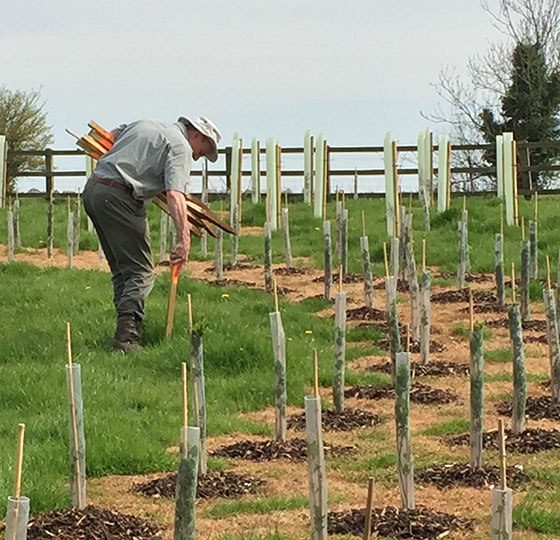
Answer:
(178, 209)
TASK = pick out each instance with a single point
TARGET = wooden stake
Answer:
(386, 259)
(464, 202)
(340, 279)
(513, 285)
(315, 374)
(369, 505)
(548, 282)
(502, 442)
(471, 311)
(19, 461)
(363, 223)
(185, 405)
(536, 206)
(408, 338)
(423, 255)
(276, 308)
(502, 219)
(172, 300)
(523, 229)
(189, 307)
(73, 414)
(410, 203)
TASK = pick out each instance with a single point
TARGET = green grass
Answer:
(498, 355)
(540, 512)
(132, 403)
(256, 506)
(450, 427)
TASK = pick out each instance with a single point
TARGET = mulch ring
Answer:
(231, 283)
(471, 278)
(433, 369)
(419, 393)
(461, 474)
(535, 325)
(348, 278)
(283, 271)
(531, 441)
(348, 420)
(397, 523)
(229, 267)
(536, 339)
(213, 484)
(435, 346)
(484, 308)
(536, 408)
(91, 523)
(365, 314)
(402, 285)
(294, 450)
(450, 297)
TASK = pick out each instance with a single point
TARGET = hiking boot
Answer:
(127, 338)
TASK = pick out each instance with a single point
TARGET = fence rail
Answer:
(49, 173)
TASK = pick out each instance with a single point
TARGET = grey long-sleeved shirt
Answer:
(150, 157)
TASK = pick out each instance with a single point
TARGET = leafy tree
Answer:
(530, 108)
(24, 123)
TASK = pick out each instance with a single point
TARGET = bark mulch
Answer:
(214, 484)
(419, 393)
(348, 420)
(402, 285)
(485, 308)
(471, 278)
(535, 325)
(365, 314)
(531, 441)
(91, 523)
(294, 450)
(228, 267)
(460, 474)
(231, 283)
(536, 339)
(398, 523)
(284, 271)
(433, 369)
(536, 408)
(348, 278)
(435, 346)
(450, 297)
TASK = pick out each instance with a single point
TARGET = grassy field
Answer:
(132, 403)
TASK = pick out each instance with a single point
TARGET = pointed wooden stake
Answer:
(423, 255)
(464, 202)
(548, 282)
(386, 259)
(315, 373)
(513, 284)
(523, 229)
(340, 279)
(185, 403)
(502, 443)
(369, 506)
(536, 207)
(189, 307)
(471, 311)
(363, 223)
(408, 338)
(19, 461)
(276, 308)
(502, 219)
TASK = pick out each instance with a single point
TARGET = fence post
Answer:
(3, 170)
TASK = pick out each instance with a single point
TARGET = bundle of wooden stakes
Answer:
(99, 141)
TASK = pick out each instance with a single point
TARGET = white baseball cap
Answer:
(208, 128)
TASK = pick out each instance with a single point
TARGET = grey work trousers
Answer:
(122, 227)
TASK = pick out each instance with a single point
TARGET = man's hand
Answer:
(178, 210)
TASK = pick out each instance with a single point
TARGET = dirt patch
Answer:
(460, 474)
(214, 484)
(91, 523)
(294, 450)
(536, 408)
(419, 393)
(433, 369)
(531, 441)
(397, 523)
(348, 420)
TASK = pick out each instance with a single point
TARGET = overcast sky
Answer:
(350, 69)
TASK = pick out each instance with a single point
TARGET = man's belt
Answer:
(111, 183)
